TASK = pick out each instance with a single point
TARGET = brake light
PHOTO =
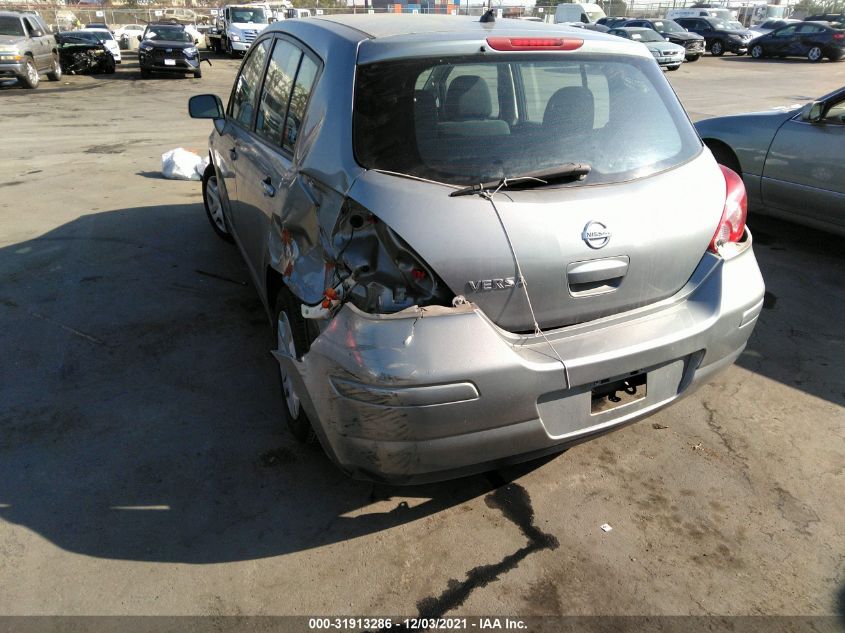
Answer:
(732, 225)
(839, 36)
(534, 43)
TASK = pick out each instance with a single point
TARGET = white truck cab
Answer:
(704, 12)
(238, 25)
(586, 13)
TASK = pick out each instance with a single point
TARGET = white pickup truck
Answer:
(237, 26)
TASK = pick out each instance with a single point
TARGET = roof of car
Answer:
(632, 29)
(392, 25)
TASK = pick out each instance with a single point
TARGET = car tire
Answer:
(111, 67)
(693, 58)
(717, 49)
(29, 79)
(198, 74)
(213, 204)
(56, 73)
(294, 334)
(757, 52)
(815, 54)
(673, 67)
(145, 74)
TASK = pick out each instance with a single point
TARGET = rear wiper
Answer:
(530, 180)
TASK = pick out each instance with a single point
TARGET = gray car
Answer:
(791, 159)
(670, 56)
(27, 49)
(479, 242)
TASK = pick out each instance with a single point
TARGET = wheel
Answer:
(815, 54)
(757, 51)
(294, 334)
(198, 74)
(30, 77)
(693, 58)
(717, 49)
(145, 74)
(724, 155)
(111, 67)
(214, 204)
(673, 67)
(56, 73)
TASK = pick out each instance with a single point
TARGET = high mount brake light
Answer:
(732, 224)
(534, 43)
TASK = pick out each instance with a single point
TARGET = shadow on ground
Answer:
(141, 415)
(798, 339)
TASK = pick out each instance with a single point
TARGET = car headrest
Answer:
(468, 97)
(570, 110)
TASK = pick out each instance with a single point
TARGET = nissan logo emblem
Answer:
(595, 234)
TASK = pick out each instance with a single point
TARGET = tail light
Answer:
(379, 271)
(839, 36)
(732, 225)
(534, 43)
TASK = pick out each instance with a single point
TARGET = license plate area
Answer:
(169, 62)
(618, 393)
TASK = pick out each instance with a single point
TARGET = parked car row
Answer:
(813, 39)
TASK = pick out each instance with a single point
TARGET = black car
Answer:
(612, 22)
(675, 33)
(83, 52)
(718, 35)
(813, 40)
(837, 20)
(168, 48)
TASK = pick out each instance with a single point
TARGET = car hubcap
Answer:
(57, 68)
(215, 207)
(287, 348)
(32, 74)
(756, 52)
(717, 48)
(815, 53)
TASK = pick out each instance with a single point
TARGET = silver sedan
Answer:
(790, 159)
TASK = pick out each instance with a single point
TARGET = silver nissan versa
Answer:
(479, 241)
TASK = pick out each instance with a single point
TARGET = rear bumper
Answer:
(433, 394)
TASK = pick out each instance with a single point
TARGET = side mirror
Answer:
(813, 112)
(205, 107)
(140, 38)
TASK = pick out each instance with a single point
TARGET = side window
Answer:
(786, 32)
(276, 94)
(28, 27)
(299, 100)
(242, 103)
(807, 29)
(836, 114)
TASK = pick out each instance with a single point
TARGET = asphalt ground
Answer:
(144, 467)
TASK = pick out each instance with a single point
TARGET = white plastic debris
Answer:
(183, 164)
(605, 527)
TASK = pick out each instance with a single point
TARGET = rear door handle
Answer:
(595, 270)
(269, 189)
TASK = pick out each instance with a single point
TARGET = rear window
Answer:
(466, 120)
